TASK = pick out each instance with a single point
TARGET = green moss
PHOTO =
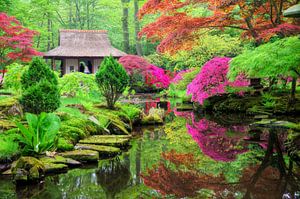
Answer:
(64, 145)
(7, 102)
(6, 124)
(55, 168)
(82, 155)
(71, 133)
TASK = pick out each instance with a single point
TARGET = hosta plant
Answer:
(41, 133)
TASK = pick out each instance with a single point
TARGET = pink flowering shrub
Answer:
(152, 75)
(212, 80)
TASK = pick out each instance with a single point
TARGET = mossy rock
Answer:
(112, 140)
(81, 155)
(6, 124)
(152, 119)
(64, 144)
(71, 133)
(103, 150)
(60, 160)
(8, 102)
(27, 169)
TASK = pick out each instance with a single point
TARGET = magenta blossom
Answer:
(212, 80)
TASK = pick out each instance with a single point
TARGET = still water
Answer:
(191, 156)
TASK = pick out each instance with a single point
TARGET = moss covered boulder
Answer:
(107, 140)
(82, 155)
(155, 116)
(27, 169)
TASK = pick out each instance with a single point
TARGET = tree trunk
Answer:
(252, 31)
(49, 32)
(88, 14)
(125, 25)
(137, 29)
(293, 90)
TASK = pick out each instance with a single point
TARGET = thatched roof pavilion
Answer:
(82, 50)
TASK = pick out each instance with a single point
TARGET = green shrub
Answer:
(41, 97)
(37, 71)
(41, 133)
(112, 80)
(77, 83)
(12, 79)
(40, 90)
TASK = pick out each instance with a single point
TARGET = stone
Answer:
(58, 163)
(108, 140)
(82, 155)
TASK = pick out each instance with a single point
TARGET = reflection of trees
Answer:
(179, 182)
(272, 175)
(113, 175)
(178, 174)
(214, 141)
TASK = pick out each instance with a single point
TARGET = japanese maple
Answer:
(212, 80)
(152, 75)
(15, 42)
(176, 24)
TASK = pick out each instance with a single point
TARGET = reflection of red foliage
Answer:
(186, 159)
(179, 183)
(213, 141)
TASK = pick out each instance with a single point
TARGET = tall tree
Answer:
(125, 4)
(175, 25)
(138, 44)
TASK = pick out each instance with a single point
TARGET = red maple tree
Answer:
(175, 26)
(15, 43)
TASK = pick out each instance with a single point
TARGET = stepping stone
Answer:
(108, 140)
(103, 150)
(60, 160)
(82, 155)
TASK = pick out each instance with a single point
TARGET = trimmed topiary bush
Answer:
(40, 89)
(112, 80)
(41, 97)
(37, 71)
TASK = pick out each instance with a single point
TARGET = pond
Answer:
(191, 156)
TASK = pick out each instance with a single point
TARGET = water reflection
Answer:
(113, 176)
(273, 177)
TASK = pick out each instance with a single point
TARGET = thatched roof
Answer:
(84, 43)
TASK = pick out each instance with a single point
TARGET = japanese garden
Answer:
(150, 99)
